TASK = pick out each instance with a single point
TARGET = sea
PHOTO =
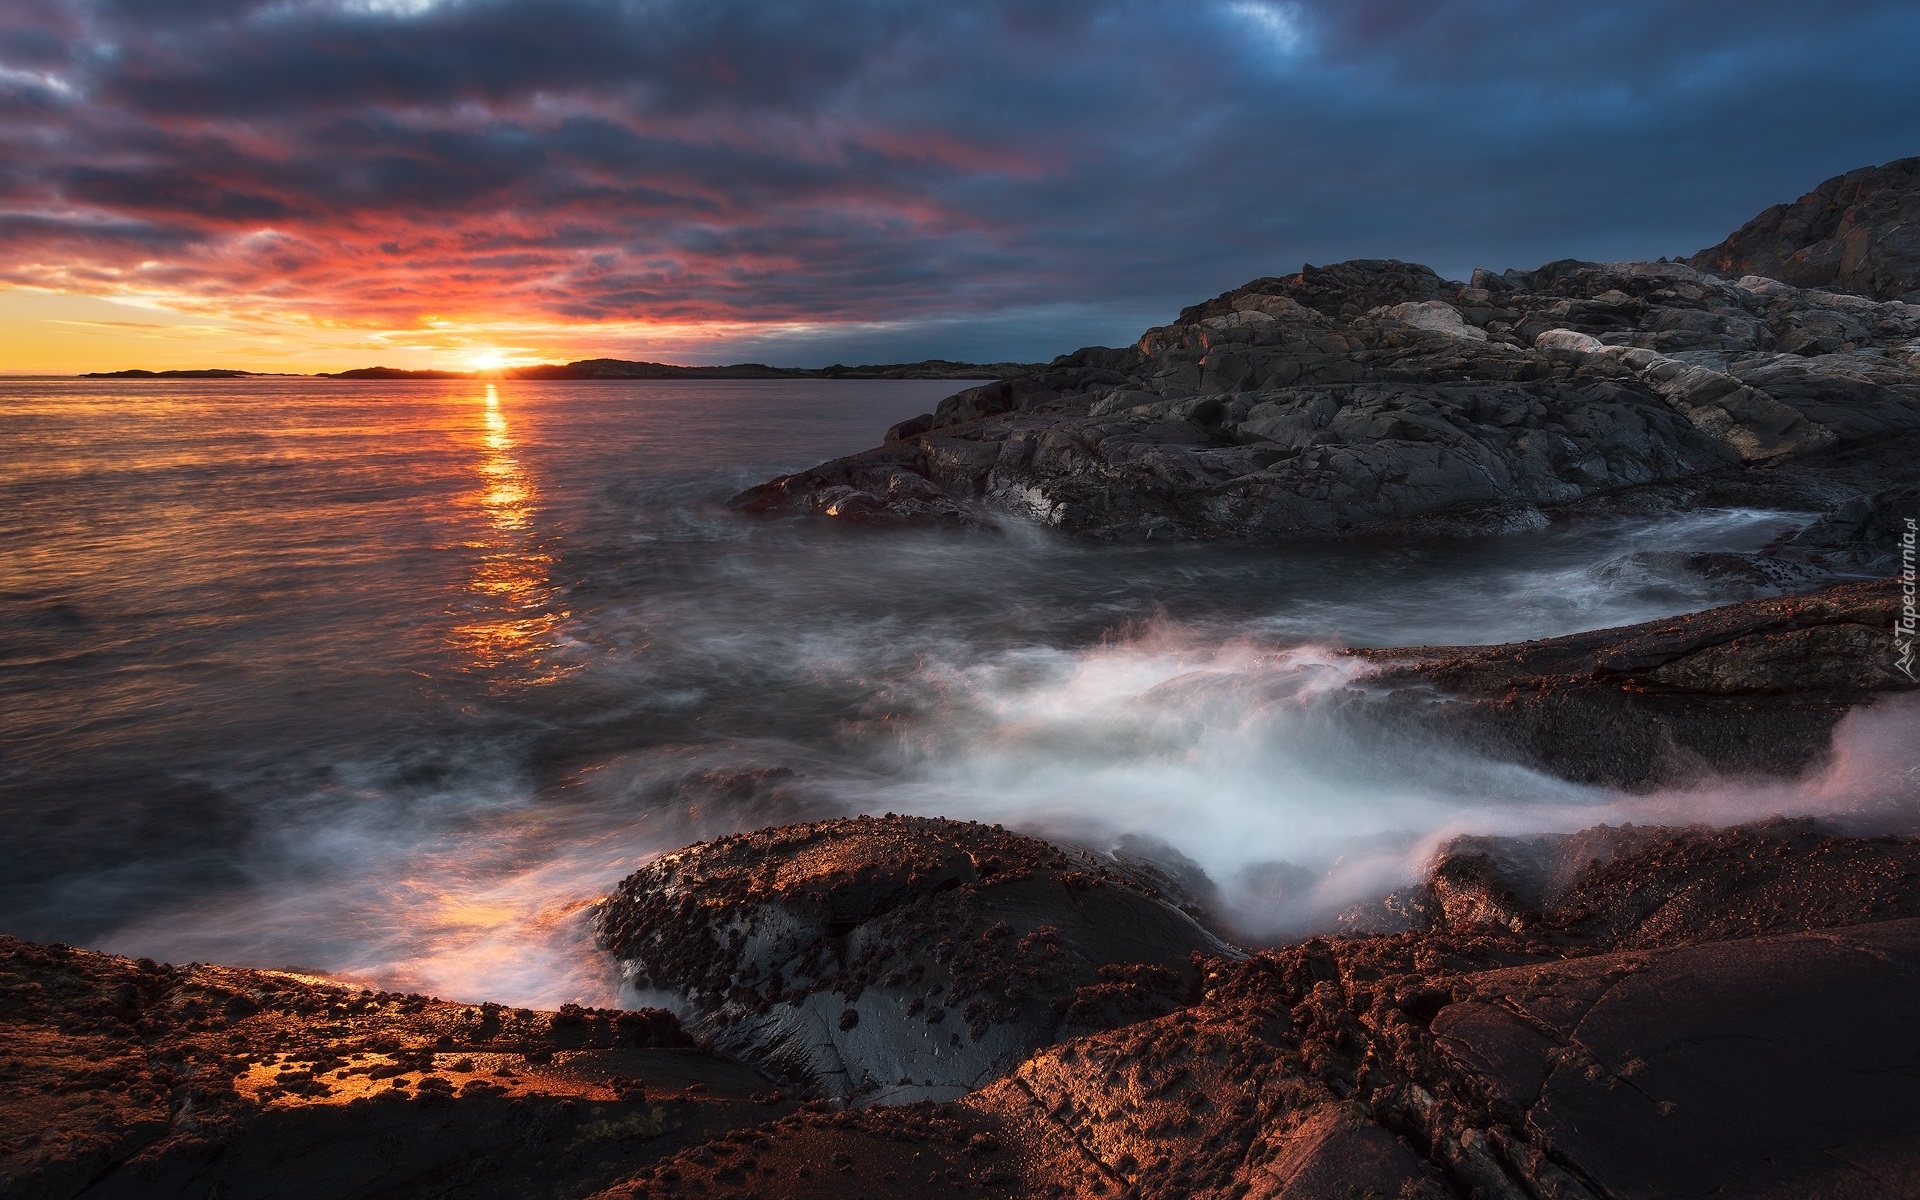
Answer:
(392, 681)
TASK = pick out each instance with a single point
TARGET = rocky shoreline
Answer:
(1375, 398)
(1622, 1012)
(892, 1005)
(898, 1005)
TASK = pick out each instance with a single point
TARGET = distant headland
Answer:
(620, 368)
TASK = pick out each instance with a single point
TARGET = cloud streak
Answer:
(649, 167)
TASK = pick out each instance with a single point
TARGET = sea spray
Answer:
(252, 726)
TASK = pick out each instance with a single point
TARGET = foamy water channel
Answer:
(391, 681)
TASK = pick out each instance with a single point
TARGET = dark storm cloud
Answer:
(1052, 173)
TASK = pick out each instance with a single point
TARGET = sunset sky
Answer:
(316, 184)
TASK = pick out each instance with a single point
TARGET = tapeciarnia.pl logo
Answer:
(1904, 624)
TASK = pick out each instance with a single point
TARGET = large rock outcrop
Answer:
(1375, 397)
(1753, 688)
(1621, 1013)
(1858, 232)
(898, 958)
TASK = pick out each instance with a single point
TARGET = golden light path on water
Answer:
(300, 676)
(488, 907)
(509, 619)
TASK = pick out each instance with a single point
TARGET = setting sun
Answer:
(486, 360)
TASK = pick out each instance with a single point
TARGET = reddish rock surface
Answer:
(1623, 1012)
(1529, 1041)
(1858, 232)
(135, 1079)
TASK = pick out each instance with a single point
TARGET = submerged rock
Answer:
(899, 958)
(1744, 689)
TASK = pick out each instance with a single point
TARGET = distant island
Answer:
(202, 373)
(620, 368)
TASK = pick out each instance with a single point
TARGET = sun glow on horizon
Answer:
(53, 332)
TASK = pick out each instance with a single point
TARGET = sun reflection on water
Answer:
(509, 621)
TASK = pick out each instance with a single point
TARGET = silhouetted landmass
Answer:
(620, 368)
(614, 368)
(201, 373)
(394, 373)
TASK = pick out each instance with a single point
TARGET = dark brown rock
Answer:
(1581, 1017)
(1643, 887)
(1749, 688)
(1858, 232)
(1775, 1067)
(1536, 1058)
(819, 1154)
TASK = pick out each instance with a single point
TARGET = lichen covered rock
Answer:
(900, 958)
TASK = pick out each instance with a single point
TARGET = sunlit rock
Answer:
(147, 1081)
(900, 958)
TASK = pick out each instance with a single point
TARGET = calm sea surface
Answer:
(393, 680)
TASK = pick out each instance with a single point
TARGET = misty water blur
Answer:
(391, 681)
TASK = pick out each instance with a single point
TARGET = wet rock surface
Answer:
(903, 1006)
(1777, 1067)
(1749, 688)
(1374, 397)
(1643, 887)
(1539, 1041)
(137, 1079)
(900, 958)
(1624, 1011)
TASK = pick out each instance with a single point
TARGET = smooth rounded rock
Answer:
(900, 958)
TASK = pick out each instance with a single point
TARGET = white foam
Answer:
(1239, 740)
